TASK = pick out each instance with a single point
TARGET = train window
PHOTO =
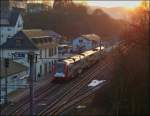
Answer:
(60, 67)
(80, 41)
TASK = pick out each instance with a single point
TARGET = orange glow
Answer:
(126, 4)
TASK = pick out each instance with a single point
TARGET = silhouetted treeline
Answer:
(74, 20)
(131, 84)
(129, 91)
(136, 63)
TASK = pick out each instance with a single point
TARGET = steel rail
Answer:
(75, 93)
(68, 92)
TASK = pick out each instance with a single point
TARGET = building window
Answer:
(45, 53)
(55, 50)
(9, 29)
(52, 52)
(49, 67)
(80, 41)
(49, 52)
(18, 42)
(40, 53)
(41, 69)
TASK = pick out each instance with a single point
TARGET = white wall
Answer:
(85, 42)
(47, 60)
(19, 24)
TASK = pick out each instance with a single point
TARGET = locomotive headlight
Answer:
(59, 74)
(102, 47)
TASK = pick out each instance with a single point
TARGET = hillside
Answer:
(115, 12)
(72, 23)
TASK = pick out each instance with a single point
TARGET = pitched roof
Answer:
(91, 37)
(9, 18)
(19, 41)
(30, 39)
(13, 68)
(54, 34)
(37, 33)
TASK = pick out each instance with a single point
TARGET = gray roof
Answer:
(32, 39)
(91, 37)
(9, 18)
(13, 68)
(19, 41)
(37, 33)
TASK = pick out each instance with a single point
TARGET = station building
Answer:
(42, 42)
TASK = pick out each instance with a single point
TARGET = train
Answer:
(73, 66)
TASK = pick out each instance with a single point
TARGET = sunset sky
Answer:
(110, 3)
(102, 3)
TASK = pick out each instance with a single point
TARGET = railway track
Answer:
(24, 109)
(73, 102)
(21, 109)
(66, 97)
(48, 91)
(56, 107)
(18, 106)
(59, 96)
(83, 93)
(22, 101)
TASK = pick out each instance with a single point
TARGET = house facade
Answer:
(11, 22)
(41, 42)
(85, 42)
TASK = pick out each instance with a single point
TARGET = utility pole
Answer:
(0, 76)
(0, 83)
(6, 81)
(31, 61)
(100, 45)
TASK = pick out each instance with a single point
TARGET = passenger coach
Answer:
(73, 66)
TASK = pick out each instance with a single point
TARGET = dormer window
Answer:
(80, 41)
(18, 41)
